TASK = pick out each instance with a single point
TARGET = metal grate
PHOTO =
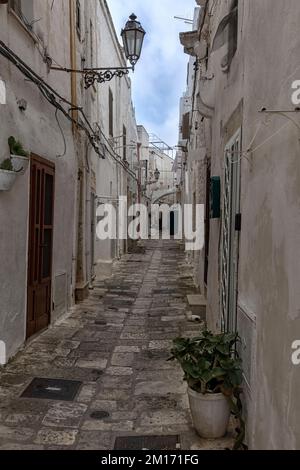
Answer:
(147, 443)
(52, 389)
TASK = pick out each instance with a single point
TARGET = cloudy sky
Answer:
(160, 76)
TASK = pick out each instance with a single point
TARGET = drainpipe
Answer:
(80, 288)
(74, 112)
(77, 189)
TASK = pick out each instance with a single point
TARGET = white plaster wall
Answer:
(39, 132)
(269, 270)
(112, 180)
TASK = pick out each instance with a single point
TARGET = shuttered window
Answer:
(186, 126)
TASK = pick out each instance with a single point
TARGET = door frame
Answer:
(207, 223)
(50, 167)
(229, 255)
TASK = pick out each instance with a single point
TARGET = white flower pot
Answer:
(7, 179)
(210, 413)
(20, 164)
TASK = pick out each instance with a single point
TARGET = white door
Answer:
(230, 233)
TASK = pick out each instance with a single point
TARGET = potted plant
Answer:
(7, 175)
(213, 372)
(19, 156)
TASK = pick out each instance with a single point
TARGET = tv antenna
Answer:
(186, 20)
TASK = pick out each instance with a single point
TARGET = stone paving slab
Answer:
(116, 343)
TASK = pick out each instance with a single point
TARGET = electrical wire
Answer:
(56, 100)
(62, 133)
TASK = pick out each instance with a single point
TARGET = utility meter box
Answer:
(215, 197)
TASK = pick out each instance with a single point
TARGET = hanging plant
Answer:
(19, 156)
(7, 175)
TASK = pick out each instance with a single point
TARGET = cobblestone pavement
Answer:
(117, 344)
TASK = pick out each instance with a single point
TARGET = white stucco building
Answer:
(81, 144)
(248, 177)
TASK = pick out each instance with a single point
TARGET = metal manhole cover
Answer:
(99, 415)
(147, 443)
(52, 389)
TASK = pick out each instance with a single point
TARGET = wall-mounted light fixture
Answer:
(157, 174)
(133, 37)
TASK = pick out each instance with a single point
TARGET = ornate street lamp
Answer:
(133, 37)
(157, 174)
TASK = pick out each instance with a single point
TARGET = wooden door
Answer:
(40, 244)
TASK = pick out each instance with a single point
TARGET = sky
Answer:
(160, 75)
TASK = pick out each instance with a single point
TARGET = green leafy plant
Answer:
(211, 364)
(16, 148)
(6, 165)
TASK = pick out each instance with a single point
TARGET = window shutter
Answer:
(186, 126)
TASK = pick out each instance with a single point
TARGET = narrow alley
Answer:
(149, 229)
(116, 344)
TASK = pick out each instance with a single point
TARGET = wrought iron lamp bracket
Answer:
(97, 75)
(103, 75)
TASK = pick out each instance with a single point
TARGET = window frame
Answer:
(111, 113)
(92, 52)
(124, 143)
(78, 19)
(18, 15)
(233, 33)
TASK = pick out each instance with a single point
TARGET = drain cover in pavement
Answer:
(99, 415)
(147, 443)
(52, 389)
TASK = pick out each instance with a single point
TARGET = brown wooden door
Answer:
(40, 244)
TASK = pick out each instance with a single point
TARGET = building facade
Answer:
(241, 159)
(81, 143)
